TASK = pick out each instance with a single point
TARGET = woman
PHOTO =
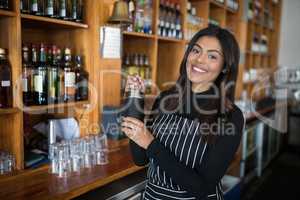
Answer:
(196, 128)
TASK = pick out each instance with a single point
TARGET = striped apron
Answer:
(181, 136)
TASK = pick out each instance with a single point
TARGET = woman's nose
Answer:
(202, 58)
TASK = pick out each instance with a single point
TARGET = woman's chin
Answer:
(196, 79)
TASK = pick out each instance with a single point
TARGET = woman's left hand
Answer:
(137, 131)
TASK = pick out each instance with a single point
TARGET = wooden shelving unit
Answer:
(135, 34)
(165, 55)
(5, 111)
(267, 23)
(166, 39)
(46, 21)
(217, 4)
(22, 28)
(53, 107)
(5, 13)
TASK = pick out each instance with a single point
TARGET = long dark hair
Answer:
(228, 75)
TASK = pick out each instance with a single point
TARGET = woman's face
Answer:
(204, 62)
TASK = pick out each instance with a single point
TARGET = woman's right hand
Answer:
(135, 82)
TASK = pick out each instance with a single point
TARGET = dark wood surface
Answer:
(39, 184)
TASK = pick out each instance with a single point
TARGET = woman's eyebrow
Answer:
(210, 50)
(215, 50)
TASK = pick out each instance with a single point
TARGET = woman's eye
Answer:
(212, 57)
(194, 50)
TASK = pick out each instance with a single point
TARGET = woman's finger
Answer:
(128, 124)
(129, 132)
(134, 121)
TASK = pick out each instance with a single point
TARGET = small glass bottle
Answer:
(40, 77)
(49, 11)
(52, 75)
(4, 4)
(81, 80)
(25, 6)
(134, 104)
(69, 77)
(5, 81)
(27, 76)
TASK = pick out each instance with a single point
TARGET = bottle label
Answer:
(50, 11)
(25, 84)
(62, 12)
(172, 26)
(167, 25)
(70, 79)
(131, 6)
(38, 83)
(5, 83)
(34, 7)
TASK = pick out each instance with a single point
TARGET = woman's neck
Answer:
(201, 87)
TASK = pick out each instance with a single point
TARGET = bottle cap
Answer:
(67, 51)
(25, 48)
(2, 51)
(193, 11)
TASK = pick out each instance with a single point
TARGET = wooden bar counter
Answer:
(39, 184)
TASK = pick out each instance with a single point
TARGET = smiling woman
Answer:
(196, 128)
(204, 63)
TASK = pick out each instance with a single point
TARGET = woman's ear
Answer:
(224, 71)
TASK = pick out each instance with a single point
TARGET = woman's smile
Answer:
(196, 69)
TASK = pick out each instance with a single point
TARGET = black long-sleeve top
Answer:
(174, 157)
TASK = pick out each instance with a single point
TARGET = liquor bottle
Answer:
(4, 4)
(131, 11)
(40, 77)
(37, 7)
(25, 6)
(148, 17)
(49, 8)
(178, 31)
(134, 104)
(69, 76)
(5, 81)
(81, 80)
(133, 69)
(27, 76)
(141, 66)
(162, 14)
(41, 8)
(147, 75)
(79, 8)
(76, 10)
(52, 74)
(69, 9)
(60, 76)
(56, 6)
(63, 9)
(125, 65)
(139, 16)
(34, 7)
